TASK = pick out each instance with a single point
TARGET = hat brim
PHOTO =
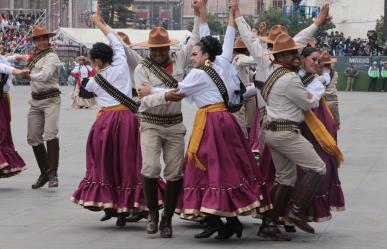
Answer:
(237, 47)
(146, 44)
(298, 46)
(44, 34)
(331, 61)
(266, 39)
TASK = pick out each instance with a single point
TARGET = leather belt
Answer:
(282, 125)
(51, 93)
(161, 119)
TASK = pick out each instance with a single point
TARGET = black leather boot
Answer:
(173, 190)
(42, 160)
(233, 226)
(305, 193)
(53, 161)
(269, 229)
(214, 224)
(150, 194)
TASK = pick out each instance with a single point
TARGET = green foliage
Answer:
(379, 28)
(216, 27)
(115, 12)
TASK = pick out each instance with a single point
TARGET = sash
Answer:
(223, 90)
(31, 64)
(167, 79)
(276, 75)
(115, 93)
(307, 79)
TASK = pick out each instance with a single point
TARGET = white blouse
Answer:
(82, 70)
(198, 87)
(116, 74)
(6, 68)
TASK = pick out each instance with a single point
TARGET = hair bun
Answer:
(212, 44)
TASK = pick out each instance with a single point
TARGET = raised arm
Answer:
(253, 44)
(229, 37)
(119, 56)
(304, 35)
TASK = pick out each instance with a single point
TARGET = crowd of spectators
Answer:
(339, 45)
(14, 29)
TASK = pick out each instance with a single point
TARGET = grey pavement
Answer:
(45, 218)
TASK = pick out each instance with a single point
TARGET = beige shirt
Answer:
(156, 103)
(332, 86)
(288, 99)
(45, 74)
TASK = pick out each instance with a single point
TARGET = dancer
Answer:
(82, 72)
(162, 128)
(43, 116)
(10, 161)
(113, 154)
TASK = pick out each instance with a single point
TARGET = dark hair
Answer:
(211, 46)
(308, 51)
(102, 51)
(242, 51)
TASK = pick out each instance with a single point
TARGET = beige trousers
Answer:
(246, 115)
(169, 140)
(290, 149)
(43, 120)
(334, 107)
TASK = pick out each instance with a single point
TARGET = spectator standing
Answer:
(351, 73)
(374, 74)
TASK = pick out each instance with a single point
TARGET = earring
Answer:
(207, 63)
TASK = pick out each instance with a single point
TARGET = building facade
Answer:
(354, 17)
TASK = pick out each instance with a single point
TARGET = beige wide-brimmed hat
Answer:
(239, 43)
(40, 30)
(158, 37)
(285, 42)
(327, 58)
(124, 37)
(273, 33)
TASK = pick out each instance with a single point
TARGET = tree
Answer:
(379, 28)
(116, 13)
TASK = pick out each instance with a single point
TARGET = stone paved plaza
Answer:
(43, 219)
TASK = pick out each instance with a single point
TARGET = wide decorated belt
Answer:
(51, 93)
(282, 125)
(161, 119)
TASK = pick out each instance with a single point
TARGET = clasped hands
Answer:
(173, 95)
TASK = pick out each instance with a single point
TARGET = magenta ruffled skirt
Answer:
(10, 161)
(113, 165)
(231, 184)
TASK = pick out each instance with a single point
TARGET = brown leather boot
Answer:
(41, 158)
(173, 190)
(53, 161)
(150, 194)
(269, 229)
(303, 198)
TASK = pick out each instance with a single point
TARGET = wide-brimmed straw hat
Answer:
(239, 43)
(40, 31)
(124, 37)
(285, 42)
(158, 37)
(327, 58)
(273, 33)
